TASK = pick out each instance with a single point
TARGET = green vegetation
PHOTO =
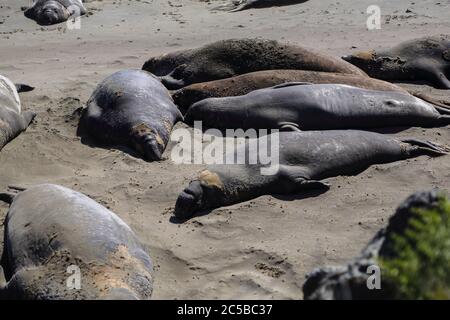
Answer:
(420, 267)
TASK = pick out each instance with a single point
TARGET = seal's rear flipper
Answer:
(7, 197)
(419, 147)
(20, 87)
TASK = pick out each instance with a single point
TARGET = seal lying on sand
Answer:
(48, 12)
(131, 108)
(246, 83)
(316, 107)
(305, 158)
(227, 58)
(235, 6)
(12, 120)
(50, 229)
(426, 59)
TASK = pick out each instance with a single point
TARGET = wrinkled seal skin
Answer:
(316, 107)
(131, 108)
(250, 4)
(350, 282)
(305, 159)
(49, 228)
(424, 60)
(48, 12)
(243, 84)
(12, 120)
(228, 58)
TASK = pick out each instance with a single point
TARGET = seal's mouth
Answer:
(189, 202)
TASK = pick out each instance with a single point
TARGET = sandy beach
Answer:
(261, 249)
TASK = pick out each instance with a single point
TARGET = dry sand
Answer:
(258, 249)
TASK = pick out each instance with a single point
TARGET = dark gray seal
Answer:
(424, 60)
(227, 58)
(241, 5)
(305, 158)
(48, 12)
(316, 107)
(131, 108)
(50, 228)
(12, 120)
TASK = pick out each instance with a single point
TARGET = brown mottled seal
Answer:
(305, 158)
(131, 108)
(424, 60)
(243, 84)
(52, 232)
(12, 120)
(227, 58)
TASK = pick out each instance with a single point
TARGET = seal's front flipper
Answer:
(298, 181)
(291, 84)
(289, 126)
(419, 147)
(20, 87)
(28, 117)
(174, 80)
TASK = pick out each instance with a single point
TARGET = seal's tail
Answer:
(420, 147)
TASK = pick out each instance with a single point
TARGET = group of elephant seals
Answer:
(50, 228)
(302, 106)
(131, 108)
(305, 158)
(12, 120)
(425, 60)
(250, 4)
(228, 58)
(48, 12)
(246, 83)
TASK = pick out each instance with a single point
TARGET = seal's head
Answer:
(52, 12)
(190, 201)
(148, 142)
(205, 193)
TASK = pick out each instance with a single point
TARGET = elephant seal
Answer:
(228, 58)
(250, 4)
(425, 59)
(48, 12)
(131, 108)
(12, 120)
(316, 107)
(305, 158)
(50, 229)
(243, 84)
